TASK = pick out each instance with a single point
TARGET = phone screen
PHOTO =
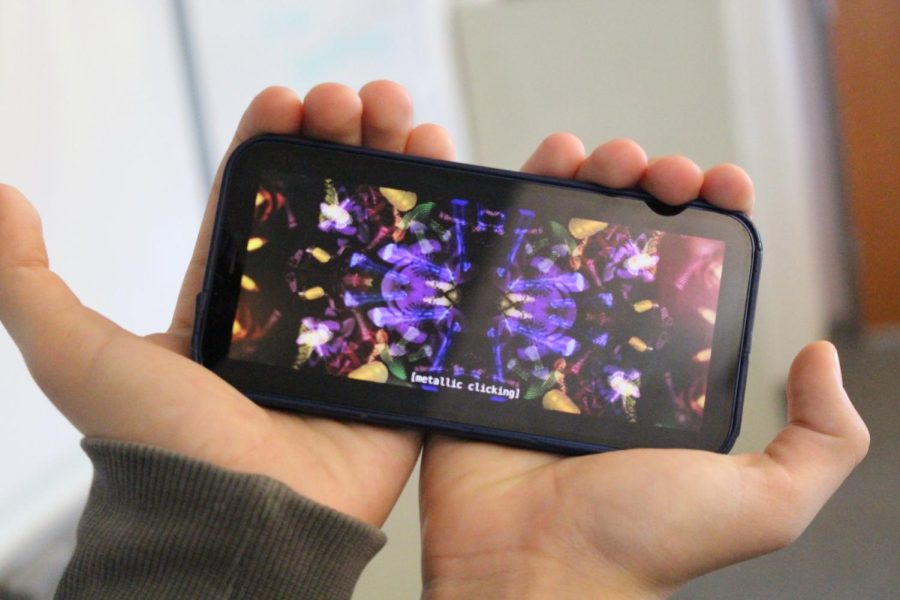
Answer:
(503, 303)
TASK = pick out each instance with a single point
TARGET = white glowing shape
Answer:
(315, 337)
(336, 214)
(623, 386)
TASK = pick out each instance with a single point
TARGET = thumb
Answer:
(28, 289)
(821, 413)
(105, 380)
(57, 335)
(825, 438)
(784, 488)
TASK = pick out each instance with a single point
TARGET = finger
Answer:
(728, 186)
(824, 440)
(386, 115)
(21, 242)
(430, 141)
(825, 437)
(673, 179)
(333, 112)
(29, 291)
(274, 110)
(86, 364)
(617, 164)
(559, 155)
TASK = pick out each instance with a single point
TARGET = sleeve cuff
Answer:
(159, 524)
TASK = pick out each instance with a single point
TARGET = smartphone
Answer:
(485, 303)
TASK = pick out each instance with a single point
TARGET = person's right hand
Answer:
(504, 522)
(113, 384)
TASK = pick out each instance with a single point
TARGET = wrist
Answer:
(512, 576)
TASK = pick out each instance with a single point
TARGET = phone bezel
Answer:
(384, 404)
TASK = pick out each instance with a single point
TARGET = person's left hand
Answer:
(112, 384)
(504, 522)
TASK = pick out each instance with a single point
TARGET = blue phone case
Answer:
(471, 431)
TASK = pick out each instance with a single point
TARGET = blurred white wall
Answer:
(97, 127)
(243, 46)
(94, 130)
(718, 80)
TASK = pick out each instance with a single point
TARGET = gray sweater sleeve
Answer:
(161, 525)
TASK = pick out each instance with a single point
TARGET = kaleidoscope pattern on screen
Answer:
(379, 284)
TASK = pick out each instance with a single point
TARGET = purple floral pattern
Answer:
(580, 316)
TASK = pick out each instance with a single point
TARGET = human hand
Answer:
(113, 384)
(504, 522)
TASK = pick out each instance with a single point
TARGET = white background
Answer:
(97, 129)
